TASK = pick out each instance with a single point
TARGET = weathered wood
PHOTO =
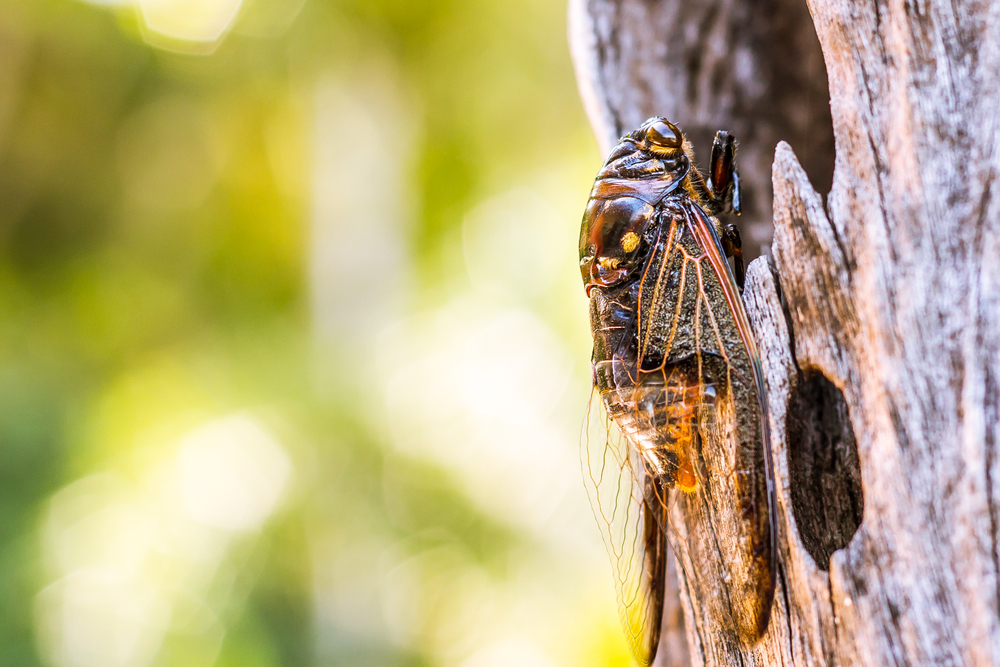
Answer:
(880, 332)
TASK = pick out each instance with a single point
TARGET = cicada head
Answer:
(655, 151)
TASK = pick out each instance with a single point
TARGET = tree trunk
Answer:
(879, 323)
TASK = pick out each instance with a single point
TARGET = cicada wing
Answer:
(631, 528)
(722, 531)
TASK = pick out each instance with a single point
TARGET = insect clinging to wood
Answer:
(678, 420)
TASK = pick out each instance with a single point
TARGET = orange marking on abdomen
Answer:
(661, 416)
(686, 479)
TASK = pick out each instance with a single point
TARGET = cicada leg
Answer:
(733, 247)
(724, 186)
(724, 179)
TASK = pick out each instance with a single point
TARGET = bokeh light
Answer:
(185, 26)
(188, 20)
(135, 559)
(295, 355)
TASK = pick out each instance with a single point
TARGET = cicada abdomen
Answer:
(679, 387)
(661, 412)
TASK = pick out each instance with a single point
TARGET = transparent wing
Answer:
(695, 408)
(726, 541)
(632, 528)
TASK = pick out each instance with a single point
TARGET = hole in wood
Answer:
(824, 468)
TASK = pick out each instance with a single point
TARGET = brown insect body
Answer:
(679, 382)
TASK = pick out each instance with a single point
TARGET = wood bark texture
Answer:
(879, 320)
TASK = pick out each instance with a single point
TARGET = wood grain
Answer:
(879, 322)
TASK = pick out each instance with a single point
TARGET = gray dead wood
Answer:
(880, 330)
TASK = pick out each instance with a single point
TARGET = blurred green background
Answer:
(294, 350)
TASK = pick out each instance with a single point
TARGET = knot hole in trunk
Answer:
(824, 469)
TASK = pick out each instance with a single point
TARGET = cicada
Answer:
(678, 420)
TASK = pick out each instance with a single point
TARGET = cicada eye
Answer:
(664, 134)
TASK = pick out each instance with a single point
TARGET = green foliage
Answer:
(158, 258)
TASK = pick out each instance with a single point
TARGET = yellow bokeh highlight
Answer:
(183, 24)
